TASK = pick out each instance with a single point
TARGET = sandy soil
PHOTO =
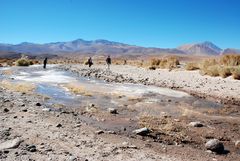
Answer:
(215, 88)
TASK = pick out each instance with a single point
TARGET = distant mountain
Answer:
(9, 54)
(205, 48)
(101, 46)
(82, 46)
(231, 51)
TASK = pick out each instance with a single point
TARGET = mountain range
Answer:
(101, 46)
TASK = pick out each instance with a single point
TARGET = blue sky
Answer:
(150, 23)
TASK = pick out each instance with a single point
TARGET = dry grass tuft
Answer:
(78, 89)
(165, 63)
(236, 73)
(161, 124)
(226, 66)
(23, 62)
(225, 72)
(230, 60)
(211, 70)
(7, 72)
(18, 87)
(192, 66)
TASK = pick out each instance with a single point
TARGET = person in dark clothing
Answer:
(108, 61)
(45, 63)
(90, 62)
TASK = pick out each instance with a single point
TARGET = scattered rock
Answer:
(142, 131)
(31, 148)
(237, 144)
(24, 110)
(125, 143)
(176, 120)
(38, 104)
(6, 110)
(72, 158)
(91, 105)
(91, 108)
(215, 145)
(46, 109)
(196, 124)
(99, 132)
(59, 125)
(128, 145)
(10, 144)
(112, 110)
(111, 132)
(77, 125)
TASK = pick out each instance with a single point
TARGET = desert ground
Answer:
(73, 112)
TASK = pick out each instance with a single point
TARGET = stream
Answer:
(132, 100)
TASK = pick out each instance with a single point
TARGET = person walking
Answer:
(108, 61)
(90, 62)
(45, 63)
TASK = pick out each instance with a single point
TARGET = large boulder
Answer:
(215, 145)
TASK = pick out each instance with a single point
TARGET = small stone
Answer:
(48, 150)
(31, 148)
(59, 125)
(6, 110)
(46, 109)
(112, 110)
(237, 144)
(91, 105)
(215, 145)
(77, 125)
(111, 132)
(142, 131)
(72, 158)
(176, 120)
(38, 104)
(99, 132)
(125, 143)
(196, 124)
(24, 110)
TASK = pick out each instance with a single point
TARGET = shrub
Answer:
(166, 63)
(155, 62)
(212, 71)
(230, 60)
(192, 66)
(163, 63)
(225, 71)
(31, 62)
(236, 73)
(22, 62)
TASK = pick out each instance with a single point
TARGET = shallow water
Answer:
(143, 99)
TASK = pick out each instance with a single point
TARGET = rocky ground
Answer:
(213, 88)
(30, 129)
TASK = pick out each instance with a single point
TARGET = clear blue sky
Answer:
(150, 23)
